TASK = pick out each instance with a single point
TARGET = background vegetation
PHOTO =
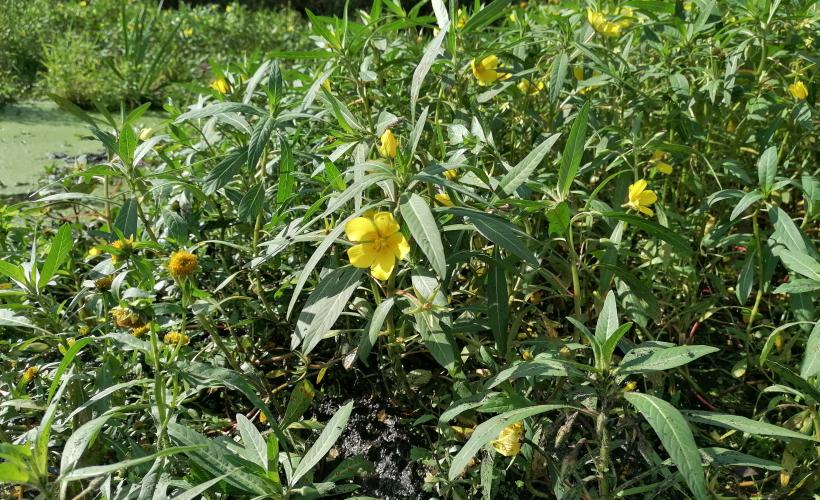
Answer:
(560, 250)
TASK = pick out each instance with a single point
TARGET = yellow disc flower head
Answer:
(175, 337)
(380, 243)
(640, 198)
(388, 144)
(139, 331)
(530, 88)
(444, 199)
(485, 70)
(30, 373)
(182, 263)
(221, 85)
(798, 90)
(509, 440)
(124, 247)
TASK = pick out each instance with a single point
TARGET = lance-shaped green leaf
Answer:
(607, 319)
(431, 52)
(500, 232)
(676, 437)
(326, 440)
(573, 152)
(57, 254)
(811, 358)
(371, 332)
(498, 304)
(664, 233)
(744, 424)
(422, 225)
(324, 306)
(654, 358)
(767, 168)
(522, 172)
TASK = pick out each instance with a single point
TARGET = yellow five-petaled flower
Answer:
(486, 72)
(509, 440)
(380, 243)
(640, 198)
(798, 90)
(388, 144)
(221, 85)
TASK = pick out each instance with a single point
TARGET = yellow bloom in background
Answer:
(663, 167)
(640, 198)
(104, 283)
(388, 144)
(182, 263)
(798, 90)
(444, 199)
(124, 247)
(513, 17)
(461, 20)
(485, 70)
(451, 174)
(380, 243)
(221, 85)
(600, 24)
(326, 84)
(125, 317)
(526, 355)
(509, 440)
(578, 72)
(530, 88)
(187, 32)
(146, 133)
(94, 252)
(176, 337)
(30, 373)
(139, 331)
(630, 386)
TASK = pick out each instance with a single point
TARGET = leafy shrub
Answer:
(573, 247)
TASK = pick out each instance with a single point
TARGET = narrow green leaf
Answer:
(324, 306)
(676, 437)
(60, 248)
(371, 332)
(678, 242)
(607, 319)
(251, 204)
(255, 446)
(522, 172)
(573, 152)
(811, 358)
(744, 424)
(558, 72)
(300, 399)
(653, 359)
(431, 52)
(326, 440)
(498, 304)
(500, 232)
(767, 168)
(422, 225)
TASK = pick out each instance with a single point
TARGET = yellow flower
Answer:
(104, 283)
(451, 174)
(798, 90)
(139, 331)
(461, 20)
(380, 243)
(146, 133)
(182, 263)
(263, 419)
(124, 248)
(221, 85)
(70, 342)
(175, 337)
(326, 86)
(444, 199)
(630, 386)
(389, 144)
(578, 72)
(640, 198)
(513, 17)
(125, 317)
(30, 373)
(228, 7)
(526, 355)
(663, 167)
(94, 252)
(528, 87)
(600, 24)
(485, 70)
(509, 440)
(187, 32)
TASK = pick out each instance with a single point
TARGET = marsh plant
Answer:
(572, 245)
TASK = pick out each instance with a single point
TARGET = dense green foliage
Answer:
(127, 52)
(569, 250)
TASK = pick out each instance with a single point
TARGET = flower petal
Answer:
(636, 188)
(490, 62)
(386, 224)
(399, 246)
(383, 264)
(360, 229)
(362, 255)
(646, 210)
(647, 198)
